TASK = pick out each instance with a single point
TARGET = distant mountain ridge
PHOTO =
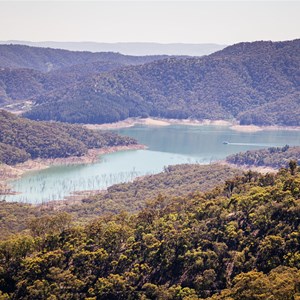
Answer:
(256, 83)
(26, 72)
(139, 49)
(48, 59)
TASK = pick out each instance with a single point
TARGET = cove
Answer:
(168, 145)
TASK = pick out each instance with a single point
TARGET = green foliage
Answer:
(21, 139)
(238, 245)
(282, 283)
(27, 72)
(275, 157)
(255, 83)
(176, 180)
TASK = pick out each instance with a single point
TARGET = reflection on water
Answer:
(167, 146)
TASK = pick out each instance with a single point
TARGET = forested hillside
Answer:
(175, 181)
(47, 59)
(256, 83)
(26, 84)
(239, 241)
(21, 139)
(26, 72)
(131, 197)
(275, 157)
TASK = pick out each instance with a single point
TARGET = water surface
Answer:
(167, 145)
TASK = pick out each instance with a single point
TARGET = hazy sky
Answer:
(223, 22)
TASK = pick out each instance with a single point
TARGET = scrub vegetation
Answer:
(239, 240)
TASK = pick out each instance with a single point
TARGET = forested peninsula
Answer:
(274, 157)
(22, 139)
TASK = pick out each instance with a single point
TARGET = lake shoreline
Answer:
(183, 137)
(233, 125)
(8, 173)
(76, 198)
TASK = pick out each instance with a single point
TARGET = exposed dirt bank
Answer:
(13, 172)
(233, 125)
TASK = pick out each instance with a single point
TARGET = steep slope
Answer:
(26, 72)
(239, 241)
(239, 81)
(20, 84)
(24, 84)
(21, 139)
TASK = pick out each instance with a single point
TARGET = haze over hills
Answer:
(128, 48)
(255, 83)
(26, 72)
(47, 59)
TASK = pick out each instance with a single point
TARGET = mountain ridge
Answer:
(47, 59)
(218, 86)
(254, 83)
(129, 48)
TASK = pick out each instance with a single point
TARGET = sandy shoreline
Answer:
(130, 122)
(8, 173)
(233, 125)
(13, 172)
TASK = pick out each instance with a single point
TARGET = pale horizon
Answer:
(163, 22)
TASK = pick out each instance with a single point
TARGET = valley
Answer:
(150, 177)
(166, 145)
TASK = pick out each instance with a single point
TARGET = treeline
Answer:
(131, 197)
(238, 241)
(284, 111)
(48, 59)
(255, 83)
(21, 139)
(275, 157)
(27, 72)
(176, 180)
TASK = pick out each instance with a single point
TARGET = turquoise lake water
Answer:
(168, 145)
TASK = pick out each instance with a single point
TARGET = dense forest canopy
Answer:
(26, 72)
(174, 181)
(130, 197)
(190, 232)
(21, 139)
(255, 83)
(275, 157)
(238, 241)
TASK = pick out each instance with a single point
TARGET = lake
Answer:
(168, 145)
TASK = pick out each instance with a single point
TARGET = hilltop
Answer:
(22, 139)
(139, 49)
(47, 59)
(255, 83)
